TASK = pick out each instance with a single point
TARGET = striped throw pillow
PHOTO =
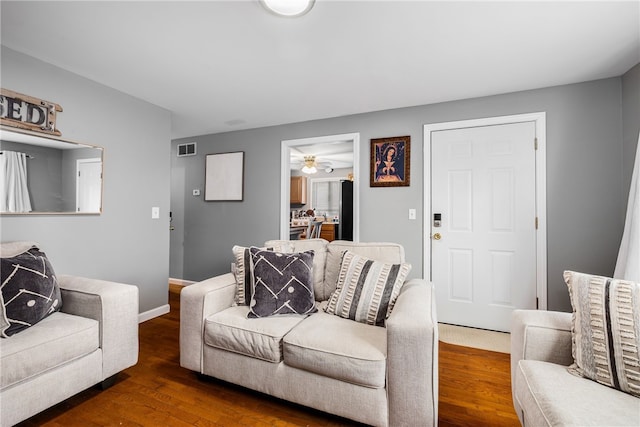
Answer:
(242, 273)
(366, 290)
(605, 330)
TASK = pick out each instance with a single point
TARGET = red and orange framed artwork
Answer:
(390, 162)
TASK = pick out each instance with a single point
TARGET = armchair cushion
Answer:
(58, 339)
(366, 289)
(605, 337)
(30, 290)
(554, 397)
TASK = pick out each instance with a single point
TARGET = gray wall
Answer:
(584, 176)
(123, 244)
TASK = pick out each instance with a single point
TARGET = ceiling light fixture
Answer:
(288, 8)
(309, 164)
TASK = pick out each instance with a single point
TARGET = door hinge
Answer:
(537, 304)
(536, 223)
(535, 143)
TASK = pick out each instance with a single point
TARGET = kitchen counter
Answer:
(328, 232)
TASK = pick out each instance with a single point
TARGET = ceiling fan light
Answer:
(309, 170)
(289, 8)
(309, 165)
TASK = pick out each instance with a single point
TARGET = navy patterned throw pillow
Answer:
(283, 283)
(29, 291)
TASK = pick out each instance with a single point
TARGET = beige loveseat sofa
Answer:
(384, 376)
(544, 392)
(92, 338)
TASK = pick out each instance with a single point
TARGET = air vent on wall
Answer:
(188, 149)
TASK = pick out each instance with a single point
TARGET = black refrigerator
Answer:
(345, 226)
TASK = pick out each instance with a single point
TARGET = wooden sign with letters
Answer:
(26, 112)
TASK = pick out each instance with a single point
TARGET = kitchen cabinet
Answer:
(298, 194)
(328, 231)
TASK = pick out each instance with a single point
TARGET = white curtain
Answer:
(628, 265)
(14, 194)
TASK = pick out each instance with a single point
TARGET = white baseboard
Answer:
(180, 282)
(156, 312)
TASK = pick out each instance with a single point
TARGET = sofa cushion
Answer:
(54, 341)
(367, 290)
(338, 348)
(319, 248)
(385, 252)
(550, 396)
(283, 283)
(605, 330)
(29, 292)
(231, 330)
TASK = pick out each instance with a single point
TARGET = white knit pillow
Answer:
(366, 290)
(605, 330)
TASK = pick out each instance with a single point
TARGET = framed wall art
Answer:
(224, 177)
(390, 162)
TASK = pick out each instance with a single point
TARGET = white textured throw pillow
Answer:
(242, 272)
(605, 330)
(367, 290)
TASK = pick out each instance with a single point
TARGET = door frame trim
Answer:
(285, 175)
(539, 118)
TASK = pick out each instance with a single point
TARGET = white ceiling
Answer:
(336, 154)
(220, 66)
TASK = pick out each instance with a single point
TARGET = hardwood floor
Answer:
(474, 391)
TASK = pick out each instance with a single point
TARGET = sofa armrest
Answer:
(412, 356)
(115, 307)
(197, 302)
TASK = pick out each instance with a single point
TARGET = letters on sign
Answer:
(26, 112)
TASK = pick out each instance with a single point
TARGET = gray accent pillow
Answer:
(283, 283)
(29, 293)
(367, 289)
(605, 330)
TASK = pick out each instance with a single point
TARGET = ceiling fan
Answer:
(310, 164)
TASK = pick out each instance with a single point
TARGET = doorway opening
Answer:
(324, 143)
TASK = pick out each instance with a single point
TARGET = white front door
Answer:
(89, 186)
(483, 253)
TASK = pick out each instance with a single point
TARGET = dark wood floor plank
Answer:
(475, 390)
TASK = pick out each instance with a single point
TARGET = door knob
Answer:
(437, 236)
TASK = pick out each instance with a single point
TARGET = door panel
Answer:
(89, 186)
(483, 185)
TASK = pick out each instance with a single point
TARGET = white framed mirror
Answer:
(41, 174)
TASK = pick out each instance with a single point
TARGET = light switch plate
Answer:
(412, 214)
(155, 212)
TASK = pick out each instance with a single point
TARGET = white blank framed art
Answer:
(224, 176)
